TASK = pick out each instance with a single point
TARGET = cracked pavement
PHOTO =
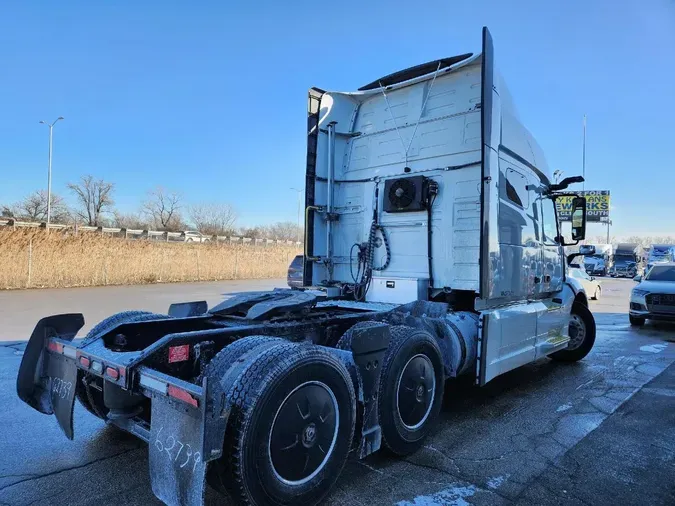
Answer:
(596, 432)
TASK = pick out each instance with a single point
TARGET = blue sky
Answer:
(209, 98)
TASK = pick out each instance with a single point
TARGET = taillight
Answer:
(85, 362)
(112, 373)
(182, 395)
(179, 353)
(55, 347)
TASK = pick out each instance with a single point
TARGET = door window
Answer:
(550, 223)
(516, 188)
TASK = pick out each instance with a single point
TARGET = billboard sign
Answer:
(597, 206)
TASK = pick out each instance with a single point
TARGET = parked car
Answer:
(295, 271)
(590, 284)
(654, 297)
(195, 236)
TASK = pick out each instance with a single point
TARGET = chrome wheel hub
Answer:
(415, 392)
(577, 330)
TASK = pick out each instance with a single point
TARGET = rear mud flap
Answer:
(62, 373)
(176, 451)
(47, 381)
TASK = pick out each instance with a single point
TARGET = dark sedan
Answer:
(294, 277)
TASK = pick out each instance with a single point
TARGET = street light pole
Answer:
(300, 192)
(49, 173)
(583, 160)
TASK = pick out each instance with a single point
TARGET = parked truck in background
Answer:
(660, 253)
(627, 257)
(600, 263)
(433, 250)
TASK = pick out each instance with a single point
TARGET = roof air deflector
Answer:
(416, 71)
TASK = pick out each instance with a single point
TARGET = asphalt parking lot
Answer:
(601, 431)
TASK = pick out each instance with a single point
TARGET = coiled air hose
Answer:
(366, 259)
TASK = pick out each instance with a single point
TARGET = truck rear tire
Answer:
(582, 335)
(290, 428)
(411, 389)
(92, 398)
(224, 359)
(118, 319)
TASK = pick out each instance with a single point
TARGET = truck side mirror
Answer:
(578, 218)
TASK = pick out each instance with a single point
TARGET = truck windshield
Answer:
(661, 254)
(661, 273)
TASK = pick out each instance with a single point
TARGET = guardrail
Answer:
(129, 233)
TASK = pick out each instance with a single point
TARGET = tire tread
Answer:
(400, 334)
(252, 384)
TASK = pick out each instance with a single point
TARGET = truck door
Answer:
(506, 332)
(551, 322)
(552, 267)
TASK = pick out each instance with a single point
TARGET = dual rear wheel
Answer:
(411, 389)
(291, 424)
(293, 413)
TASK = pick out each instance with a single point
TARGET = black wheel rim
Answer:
(303, 433)
(416, 391)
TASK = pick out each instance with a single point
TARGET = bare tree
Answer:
(133, 221)
(94, 198)
(8, 211)
(253, 232)
(163, 208)
(282, 230)
(213, 219)
(285, 231)
(34, 208)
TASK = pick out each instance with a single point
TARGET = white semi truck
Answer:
(601, 262)
(433, 250)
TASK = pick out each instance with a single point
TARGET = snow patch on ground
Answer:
(453, 496)
(564, 407)
(496, 482)
(654, 348)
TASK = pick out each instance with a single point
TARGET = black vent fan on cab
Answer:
(404, 195)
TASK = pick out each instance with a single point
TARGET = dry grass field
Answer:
(35, 258)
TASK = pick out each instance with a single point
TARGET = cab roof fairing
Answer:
(514, 135)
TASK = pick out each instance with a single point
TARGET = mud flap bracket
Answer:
(369, 345)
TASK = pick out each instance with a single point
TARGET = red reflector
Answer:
(112, 373)
(180, 394)
(55, 347)
(85, 362)
(179, 353)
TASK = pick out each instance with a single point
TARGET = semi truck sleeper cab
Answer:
(433, 250)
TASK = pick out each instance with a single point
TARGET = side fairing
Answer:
(489, 202)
